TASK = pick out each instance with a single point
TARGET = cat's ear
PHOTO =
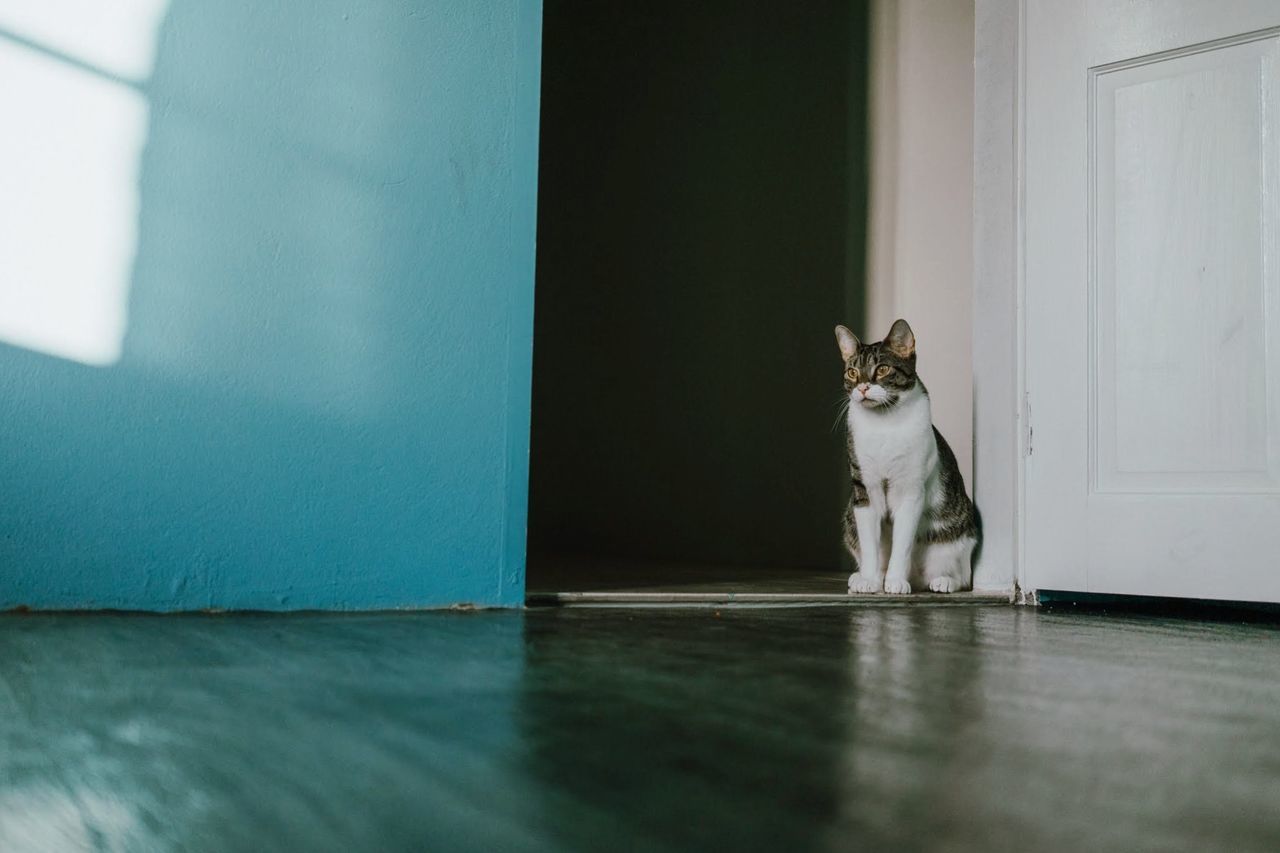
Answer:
(847, 341)
(901, 341)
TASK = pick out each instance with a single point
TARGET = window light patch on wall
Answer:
(69, 168)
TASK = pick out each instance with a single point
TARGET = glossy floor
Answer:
(915, 728)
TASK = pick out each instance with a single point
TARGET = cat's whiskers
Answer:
(842, 416)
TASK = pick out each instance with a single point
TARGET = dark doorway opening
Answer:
(701, 229)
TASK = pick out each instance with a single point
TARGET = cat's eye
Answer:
(882, 371)
(852, 374)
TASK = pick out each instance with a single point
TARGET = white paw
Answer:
(896, 587)
(861, 584)
(944, 584)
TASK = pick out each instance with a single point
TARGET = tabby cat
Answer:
(909, 523)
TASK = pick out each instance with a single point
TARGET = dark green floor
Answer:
(953, 729)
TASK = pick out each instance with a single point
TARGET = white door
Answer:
(1152, 287)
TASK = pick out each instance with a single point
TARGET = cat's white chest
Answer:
(897, 446)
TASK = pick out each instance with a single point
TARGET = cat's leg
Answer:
(947, 565)
(869, 577)
(906, 518)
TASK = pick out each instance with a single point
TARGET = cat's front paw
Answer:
(860, 584)
(944, 584)
(896, 586)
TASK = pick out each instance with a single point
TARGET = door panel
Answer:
(1179, 145)
(1151, 223)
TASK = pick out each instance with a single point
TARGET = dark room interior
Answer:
(701, 229)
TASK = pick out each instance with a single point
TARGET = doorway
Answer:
(703, 223)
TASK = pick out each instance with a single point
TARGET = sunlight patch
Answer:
(69, 169)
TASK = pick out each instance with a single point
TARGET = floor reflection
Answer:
(914, 702)
(912, 728)
(685, 729)
(255, 734)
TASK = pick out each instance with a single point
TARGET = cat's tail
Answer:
(977, 531)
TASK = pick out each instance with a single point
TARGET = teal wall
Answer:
(323, 396)
(701, 231)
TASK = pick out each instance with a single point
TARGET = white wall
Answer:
(996, 350)
(920, 252)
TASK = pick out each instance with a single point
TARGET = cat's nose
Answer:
(863, 389)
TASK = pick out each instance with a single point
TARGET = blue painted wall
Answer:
(323, 396)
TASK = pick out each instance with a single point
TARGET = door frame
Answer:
(1001, 430)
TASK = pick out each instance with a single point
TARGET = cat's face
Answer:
(877, 375)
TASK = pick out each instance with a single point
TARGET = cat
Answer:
(909, 523)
